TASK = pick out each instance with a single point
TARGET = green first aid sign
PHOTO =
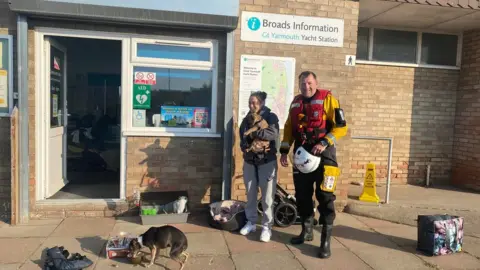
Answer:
(142, 96)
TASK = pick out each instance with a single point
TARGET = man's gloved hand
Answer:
(319, 148)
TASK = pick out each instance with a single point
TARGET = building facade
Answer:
(401, 70)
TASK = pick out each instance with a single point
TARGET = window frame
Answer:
(10, 70)
(211, 66)
(419, 49)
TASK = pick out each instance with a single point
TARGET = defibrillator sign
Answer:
(369, 193)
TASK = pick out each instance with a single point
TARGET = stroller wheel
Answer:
(285, 214)
(259, 207)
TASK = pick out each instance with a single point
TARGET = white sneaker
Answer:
(266, 235)
(248, 228)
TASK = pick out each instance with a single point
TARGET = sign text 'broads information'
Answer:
(289, 29)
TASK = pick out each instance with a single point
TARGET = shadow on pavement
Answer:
(372, 238)
(93, 245)
(356, 238)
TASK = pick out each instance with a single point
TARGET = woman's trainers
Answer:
(266, 234)
(248, 228)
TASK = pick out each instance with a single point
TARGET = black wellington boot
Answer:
(325, 242)
(306, 234)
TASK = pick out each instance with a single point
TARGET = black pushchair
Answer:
(285, 211)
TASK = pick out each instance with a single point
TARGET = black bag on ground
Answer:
(56, 260)
(439, 234)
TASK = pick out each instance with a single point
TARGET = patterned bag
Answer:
(439, 234)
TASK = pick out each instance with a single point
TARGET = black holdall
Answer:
(439, 234)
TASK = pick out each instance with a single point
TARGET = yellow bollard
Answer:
(369, 193)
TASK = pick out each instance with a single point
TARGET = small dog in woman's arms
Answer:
(255, 123)
(157, 238)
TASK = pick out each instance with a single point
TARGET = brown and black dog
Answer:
(157, 238)
(256, 122)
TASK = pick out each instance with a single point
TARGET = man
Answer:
(315, 122)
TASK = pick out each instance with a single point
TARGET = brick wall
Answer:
(192, 164)
(466, 153)
(328, 63)
(170, 164)
(7, 27)
(416, 106)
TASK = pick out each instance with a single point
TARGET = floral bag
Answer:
(439, 234)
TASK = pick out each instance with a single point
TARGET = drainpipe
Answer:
(22, 63)
(228, 119)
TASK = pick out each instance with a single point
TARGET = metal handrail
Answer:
(389, 166)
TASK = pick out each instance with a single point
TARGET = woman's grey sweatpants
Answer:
(267, 181)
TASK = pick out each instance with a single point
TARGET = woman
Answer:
(260, 168)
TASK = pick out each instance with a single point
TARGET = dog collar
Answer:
(140, 240)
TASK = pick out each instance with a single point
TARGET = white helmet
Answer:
(304, 161)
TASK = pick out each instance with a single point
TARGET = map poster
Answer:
(273, 75)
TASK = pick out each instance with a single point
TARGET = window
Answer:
(172, 52)
(439, 49)
(407, 47)
(362, 43)
(394, 46)
(174, 87)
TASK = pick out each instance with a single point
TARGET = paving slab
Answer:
(382, 258)
(13, 266)
(341, 259)
(29, 265)
(400, 235)
(18, 250)
(77, 227)
(26, 231)
(121, 264)
(90, 246)
(277, 260)
(349, 220)
(354, 238)
(221, 262)
(42, 222)
(238, 243)
(377, 223)
(472, 246)
(211, 243)
(458, 261)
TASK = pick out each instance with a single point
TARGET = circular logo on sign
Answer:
(150, 76)
(253, 23)
(139, 75)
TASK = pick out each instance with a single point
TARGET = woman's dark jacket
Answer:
(269, 134)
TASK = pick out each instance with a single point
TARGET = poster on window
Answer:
(54, 105)
(148, 78)
(183, 116)
(3, 88)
